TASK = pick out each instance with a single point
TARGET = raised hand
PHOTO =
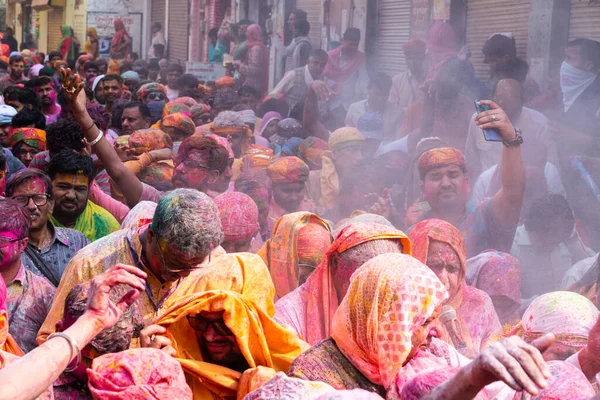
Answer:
(495, 118)
(73, 90)
(516, 363)
(99, 305)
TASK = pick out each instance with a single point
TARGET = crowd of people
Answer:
(345, 235)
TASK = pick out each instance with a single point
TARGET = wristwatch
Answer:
(517, 141)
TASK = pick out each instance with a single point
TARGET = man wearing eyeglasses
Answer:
(136, 116)
(29, 295)
(171, 249)
(49, 248)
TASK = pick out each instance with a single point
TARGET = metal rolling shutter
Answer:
(393, 30)
(178, 38)
(313, 10)
(486, 17)
(55, 20)
(584, 21)
(158, 12)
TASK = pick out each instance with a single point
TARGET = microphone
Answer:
(450, 321)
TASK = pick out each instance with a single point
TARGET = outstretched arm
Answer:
(511, 360)
(126, 181)
(42, 366)
(507, 202)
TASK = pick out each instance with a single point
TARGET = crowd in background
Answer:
(343, 234)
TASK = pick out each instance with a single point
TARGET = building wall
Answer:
(119, 8)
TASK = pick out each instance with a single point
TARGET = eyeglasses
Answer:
(201, 325)
(38, 199)
(174, 270)
(4, 241)
(156, 96)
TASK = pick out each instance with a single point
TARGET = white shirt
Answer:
(481, 154)
(172, 94)
(157, 38)
(481, 190)
(543, 272)
(392, 118)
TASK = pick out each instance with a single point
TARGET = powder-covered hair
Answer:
(188, 220)
(360, 254)
(14, 218)
(117, 338)
(227, 119)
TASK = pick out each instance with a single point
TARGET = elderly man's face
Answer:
(421, 338)
(31, 193)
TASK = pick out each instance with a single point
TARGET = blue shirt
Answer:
(14, 164)
(65, 243)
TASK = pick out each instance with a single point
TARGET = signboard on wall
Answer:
(206, 71)
(441, 10)
(104, 24)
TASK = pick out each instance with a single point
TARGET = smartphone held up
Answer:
(491, 135)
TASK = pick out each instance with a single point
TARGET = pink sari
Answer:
(441, 46)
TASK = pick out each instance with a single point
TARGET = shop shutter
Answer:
(158, 12)
(487, 17)
(55, 20)
(393, 30)
(314, 9)
(178, 37)
(584, 21)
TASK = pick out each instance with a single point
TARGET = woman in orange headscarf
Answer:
(299, 243)
(440, 245)
(121, 42)
(309, 309)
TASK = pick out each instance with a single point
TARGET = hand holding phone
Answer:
(491, 135)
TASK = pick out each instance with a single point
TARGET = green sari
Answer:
(67, 46)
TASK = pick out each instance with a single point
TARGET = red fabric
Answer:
(120, 32)
(441, 46)
(65, 47)
(333, 69)
(254, 35)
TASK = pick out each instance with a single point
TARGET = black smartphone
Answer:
(491, 135)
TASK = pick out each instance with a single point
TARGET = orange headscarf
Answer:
(440, 157)
(389, 297)
(239, 285)
(295, 236)
(435, 229)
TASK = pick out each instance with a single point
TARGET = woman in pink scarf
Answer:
(441, 46)
(499, 275)
(121, 42)
(255, 68)
(440, 245)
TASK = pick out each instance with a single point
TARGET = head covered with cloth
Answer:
(309, 309)
(299, 243)
(237, 311)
